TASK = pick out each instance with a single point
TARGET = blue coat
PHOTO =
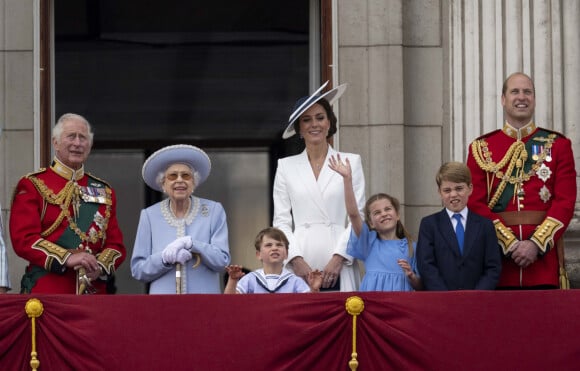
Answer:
(440, 264)
(209, 232)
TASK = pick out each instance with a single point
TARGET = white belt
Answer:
(307, 225)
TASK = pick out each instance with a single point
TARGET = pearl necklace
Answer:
(180, 223)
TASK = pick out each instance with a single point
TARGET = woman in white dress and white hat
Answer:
(182, 242)
(308, 196)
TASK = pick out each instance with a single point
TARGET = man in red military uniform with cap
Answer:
(63, 221)
(524, 180)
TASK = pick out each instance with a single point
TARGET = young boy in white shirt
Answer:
(271, 249)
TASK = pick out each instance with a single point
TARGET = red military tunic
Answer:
(527, 187)
(56, 212)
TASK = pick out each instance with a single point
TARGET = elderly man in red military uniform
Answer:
(63, 220)
(524, 180)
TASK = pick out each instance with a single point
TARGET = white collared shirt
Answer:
(454, 221)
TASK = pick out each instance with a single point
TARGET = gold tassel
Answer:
(34, 309)
(354, 307)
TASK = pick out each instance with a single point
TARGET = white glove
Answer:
(169, 254)
(183, 256)
(186, 240)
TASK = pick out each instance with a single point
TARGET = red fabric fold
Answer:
(413, 331)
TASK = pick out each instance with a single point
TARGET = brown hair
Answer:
(401, 231)
(329, 113)
(271, 232)
(456, 172)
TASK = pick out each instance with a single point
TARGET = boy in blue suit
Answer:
(457, 249)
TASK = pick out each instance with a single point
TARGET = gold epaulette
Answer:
(485, 135)
(99, 179)
(27, 176)
(553, 132)
(39, 171)
(505, 236)
(544, 234)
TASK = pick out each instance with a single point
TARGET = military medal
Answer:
(95, 195)
(549, 155)
(536, 149)
(100, 220)
(544, 173)
(545, 194)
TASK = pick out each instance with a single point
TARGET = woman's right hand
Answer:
(343, 168)
(300, 267)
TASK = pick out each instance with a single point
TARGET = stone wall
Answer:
(17, 108)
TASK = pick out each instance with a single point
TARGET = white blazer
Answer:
(312, 213)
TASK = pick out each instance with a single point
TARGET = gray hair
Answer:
(57, 130)
(161, 176)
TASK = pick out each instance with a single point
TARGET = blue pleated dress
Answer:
(380, 258)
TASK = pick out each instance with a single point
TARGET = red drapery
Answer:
(520, 330)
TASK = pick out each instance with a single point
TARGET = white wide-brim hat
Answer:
(305, 103)
(186, 154)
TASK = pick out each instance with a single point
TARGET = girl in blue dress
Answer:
(380, 241)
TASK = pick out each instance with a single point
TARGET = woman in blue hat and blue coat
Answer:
(181, 245)
(308, 196)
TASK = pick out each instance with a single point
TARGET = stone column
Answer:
(390, 54)
(571, 112)
(370, 60)
(17, 94)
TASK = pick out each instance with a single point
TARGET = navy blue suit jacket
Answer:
(440, 264)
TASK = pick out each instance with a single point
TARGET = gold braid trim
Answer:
(544, 234)
(91, 237)
(53, 251)
(63, 199)
(516, 156)
(482, 156)
(107, 258)
(505, 236)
